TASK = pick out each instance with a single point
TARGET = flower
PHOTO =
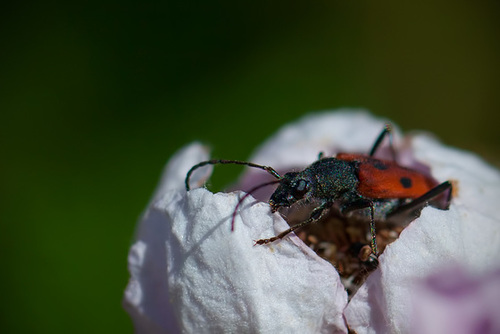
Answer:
(454, 301)
(190, 273)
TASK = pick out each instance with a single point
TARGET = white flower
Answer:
(190, 273)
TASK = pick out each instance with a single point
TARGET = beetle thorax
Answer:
(334, 178)
(325, 180)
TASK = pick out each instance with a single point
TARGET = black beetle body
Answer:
(326, 180)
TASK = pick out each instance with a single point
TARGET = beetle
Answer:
(353, 182)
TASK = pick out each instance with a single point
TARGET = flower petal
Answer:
(191, 274)
(453, 301)
(298, 143)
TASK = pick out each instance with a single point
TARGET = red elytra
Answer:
(384, 179)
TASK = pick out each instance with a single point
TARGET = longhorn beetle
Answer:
(353, 181)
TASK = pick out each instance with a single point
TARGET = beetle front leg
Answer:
(316, 215)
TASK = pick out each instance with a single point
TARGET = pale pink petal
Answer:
(191, 274)
(454, 301)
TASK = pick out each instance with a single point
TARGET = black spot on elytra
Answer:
(405, 182)
(380, 165)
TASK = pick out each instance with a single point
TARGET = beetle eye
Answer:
(300, 189)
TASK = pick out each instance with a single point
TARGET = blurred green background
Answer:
(96, 96)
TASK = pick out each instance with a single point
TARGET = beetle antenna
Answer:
(246, 195)
(268, 169)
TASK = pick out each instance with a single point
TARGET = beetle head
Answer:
(292, 188)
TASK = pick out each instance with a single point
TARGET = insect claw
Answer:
(259, 242)
(265, 241)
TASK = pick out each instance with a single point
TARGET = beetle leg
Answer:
(387, 131)
(425, 198)
(363, 204)
(316, 215)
